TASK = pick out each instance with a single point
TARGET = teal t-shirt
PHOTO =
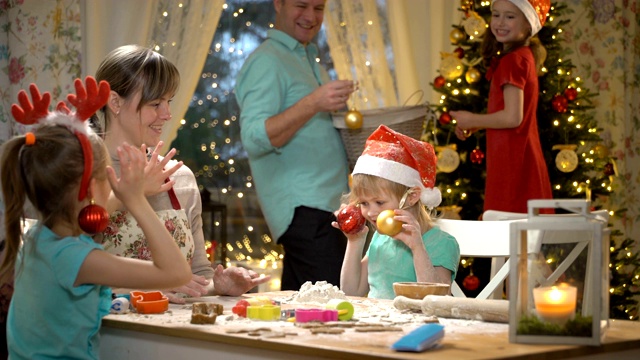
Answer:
(48, 316)
(311, 169)
(391, 260)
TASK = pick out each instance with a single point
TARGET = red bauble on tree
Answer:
(571, 94)
(439, 82)
(459, 51)
(471, 282)
(609, 169)
(559, 103)
(445, 118)
(477, 156)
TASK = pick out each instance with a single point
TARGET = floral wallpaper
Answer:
(603, 41)
(40, 43)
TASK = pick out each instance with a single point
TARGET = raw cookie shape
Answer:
(205, 313)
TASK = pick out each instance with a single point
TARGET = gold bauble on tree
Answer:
(466, 4)
(451, 67)
(448, 158)
(567, 159)
(472, 75)
(601, 151)
(353, 119)
(474, 25)
(456, 35)
(387, 225)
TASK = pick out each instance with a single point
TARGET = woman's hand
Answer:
(155, 174)
(235, 281)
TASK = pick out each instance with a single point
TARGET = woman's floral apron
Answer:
(124, 237)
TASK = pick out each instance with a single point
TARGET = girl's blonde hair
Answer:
(363, 185)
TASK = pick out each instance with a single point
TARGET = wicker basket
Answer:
(408, 120)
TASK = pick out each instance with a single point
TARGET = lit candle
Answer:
(555, 304)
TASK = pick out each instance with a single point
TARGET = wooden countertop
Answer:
(463, 339)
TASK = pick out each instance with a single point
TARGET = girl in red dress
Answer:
(516, 169)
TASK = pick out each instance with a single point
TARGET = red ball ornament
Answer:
(471, 282)
(477, 156)
(459, 51)
(439, 82)
(445, 118)
(609, 170)
(93, 219)
(559, 103)
(350, 219)
(571, 94)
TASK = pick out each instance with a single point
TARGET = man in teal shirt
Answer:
(297, 158)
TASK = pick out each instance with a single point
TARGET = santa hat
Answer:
(534, 10)
(401, 159)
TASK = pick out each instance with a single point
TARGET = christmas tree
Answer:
(579, 164)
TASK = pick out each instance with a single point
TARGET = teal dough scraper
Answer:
(420, 339)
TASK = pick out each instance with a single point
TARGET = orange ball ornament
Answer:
(353, 119)
(387, 225)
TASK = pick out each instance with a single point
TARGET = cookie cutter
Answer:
(152, 302)
(263, 312)
(344, 308)
(323, 315)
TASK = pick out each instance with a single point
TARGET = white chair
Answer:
(482, 239)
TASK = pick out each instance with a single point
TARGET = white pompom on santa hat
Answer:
(401, 159)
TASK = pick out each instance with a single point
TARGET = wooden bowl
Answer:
(418, 290)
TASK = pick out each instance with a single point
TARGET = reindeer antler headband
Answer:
(87, 101)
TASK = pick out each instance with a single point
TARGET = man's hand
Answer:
(235, 281)
(333, 95)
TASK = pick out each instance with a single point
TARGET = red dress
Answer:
(516, 168)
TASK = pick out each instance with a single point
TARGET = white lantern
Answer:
(559, 275)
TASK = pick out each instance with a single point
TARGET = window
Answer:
(209, 140)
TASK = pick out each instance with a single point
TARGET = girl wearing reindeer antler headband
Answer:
(63, 277)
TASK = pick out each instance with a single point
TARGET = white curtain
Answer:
(419, 31)
(180, 30)
(108, 24)
(354, 35)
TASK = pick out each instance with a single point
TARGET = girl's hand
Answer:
(360, 235)
(464, 119)
(462, 134)
(155, 174)
(411, 234)
(130, 185)
(197, 287)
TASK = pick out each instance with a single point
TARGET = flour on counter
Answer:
(320, 292)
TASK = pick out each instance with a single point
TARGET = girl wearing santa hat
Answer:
(516, 168)
(396, 173)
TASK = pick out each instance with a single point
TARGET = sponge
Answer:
(420, 339)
